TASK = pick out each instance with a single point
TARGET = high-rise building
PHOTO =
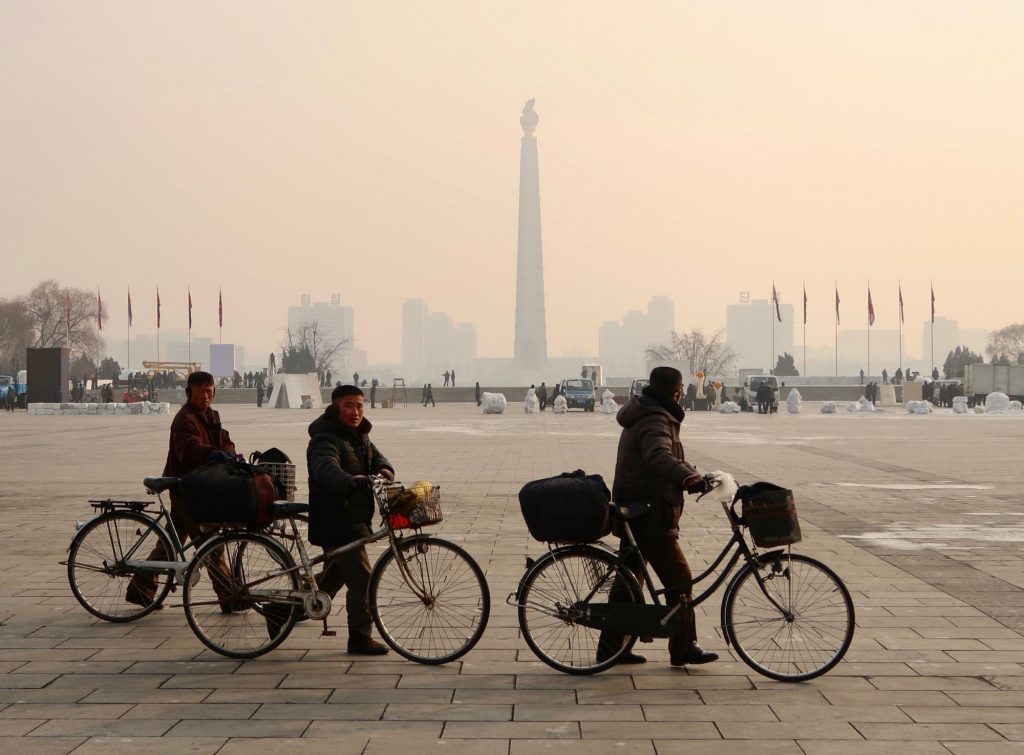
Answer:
(433, 344)
(750, 328)
(622, 346)
(531, 341)
(335, 322)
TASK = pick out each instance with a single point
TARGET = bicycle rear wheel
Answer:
(555, 593)
(99, 576)
(808, 636)
(442, 614)
(241, 611)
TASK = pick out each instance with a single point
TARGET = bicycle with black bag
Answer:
(786, 615)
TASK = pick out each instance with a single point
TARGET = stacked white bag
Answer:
(494, 403)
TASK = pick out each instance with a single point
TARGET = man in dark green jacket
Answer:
(341, 458)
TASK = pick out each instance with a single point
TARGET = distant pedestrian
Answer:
(453, 378)
(446, 375)
(477, 394)
(423, 396)
(885, 376)
(373, 394)
(430, 396)
(328, 376)
(542, 396)
(593, 377)
(583, 373)
(935, 373)
(355, 378)
(862, 377)
(259, 396)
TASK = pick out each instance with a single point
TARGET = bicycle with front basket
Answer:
(787, 616)
(427, 596)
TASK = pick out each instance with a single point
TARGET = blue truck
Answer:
(579, 394)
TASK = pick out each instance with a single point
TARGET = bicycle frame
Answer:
(174, 569)
(305, 567)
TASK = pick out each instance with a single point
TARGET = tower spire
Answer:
(531, 344)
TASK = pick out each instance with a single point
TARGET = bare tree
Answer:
(1008, 342)
(707, 353)
(47, 306)
(15, 335)
(308, 344)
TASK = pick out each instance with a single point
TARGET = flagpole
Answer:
(869, 334)
(189, 324)
(805, 328)
(932, 286)
(900, 284)
(837, 328)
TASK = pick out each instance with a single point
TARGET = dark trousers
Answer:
(351, 570)
(187, 530)
(667, 560)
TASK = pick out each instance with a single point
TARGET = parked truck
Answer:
(982, 379)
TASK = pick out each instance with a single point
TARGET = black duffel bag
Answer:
(228, 491)
(570, 508)
(770, 514)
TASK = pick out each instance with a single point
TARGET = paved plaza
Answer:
(920, 515)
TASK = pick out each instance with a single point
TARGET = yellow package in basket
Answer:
(417, 505)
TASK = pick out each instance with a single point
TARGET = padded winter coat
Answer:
(335, 454)
(650, 466)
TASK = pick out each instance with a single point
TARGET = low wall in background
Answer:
(513, 393)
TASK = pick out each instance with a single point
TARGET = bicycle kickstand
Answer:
(328, 632)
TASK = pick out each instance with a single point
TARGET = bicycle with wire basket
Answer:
(109, 551)
(786, 615)
(427, 596)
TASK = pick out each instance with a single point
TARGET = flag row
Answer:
(131, 314)
(870, 304)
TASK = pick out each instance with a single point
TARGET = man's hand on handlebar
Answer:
(387, 474)
(360, 481)
(697, 484)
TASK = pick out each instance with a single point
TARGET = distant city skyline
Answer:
(723, 147)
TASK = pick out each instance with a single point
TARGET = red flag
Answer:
(871, 309)
(933, 303)
(220, 307)
(901, 305)
(189, 309)
(837, 305)
(805, 305)
(99, 309)
(129, 307)
(775, 299)
(158, 308)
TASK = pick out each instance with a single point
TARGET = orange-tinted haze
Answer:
(693, 149)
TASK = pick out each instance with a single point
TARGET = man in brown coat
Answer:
(197, 437)
(651, 467)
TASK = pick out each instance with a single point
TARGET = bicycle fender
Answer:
(533, 564)
(763, 557)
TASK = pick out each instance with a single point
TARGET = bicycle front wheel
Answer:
(244, 610)
(788, 617)
(98, 572)
(555, 594)
(431, 603)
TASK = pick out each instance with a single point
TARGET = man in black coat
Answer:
(341, 458)
(542, 396)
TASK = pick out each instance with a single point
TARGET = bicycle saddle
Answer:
(285, 510)
(629, 511)
(160, 484)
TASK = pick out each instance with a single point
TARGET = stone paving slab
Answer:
(930, 551)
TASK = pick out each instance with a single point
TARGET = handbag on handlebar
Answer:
(770, 514)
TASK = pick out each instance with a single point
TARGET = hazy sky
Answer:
(694, 149)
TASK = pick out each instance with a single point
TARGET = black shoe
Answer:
(627, 659)
(365, 646)
(694, 656)
(276, 616)
(138, 596)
